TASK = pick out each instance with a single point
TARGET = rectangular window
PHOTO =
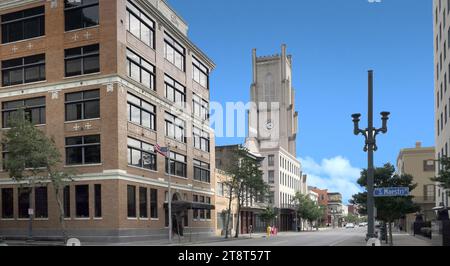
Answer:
(175, 128)
(41, 202)
(271, 177)
(66, 201)
(82, 201)
(24, 202)
(200, 73)
(201, 139)
(174, 91)
(177, 165)
(140, 25)
(141, 112)
(34, 110)
(140, 70)
(219, 189)
(82, 105)
(202, 211)
(200, 107)
(7, 203)
(143, 202)
(82, 60)
(131, 201)
(195, 211)
(23, 70)
(98, 200)
(208, 212)
(83, 150)
(201, 171)
(141, 154)
(154, 203)
(24, 24)
(271, 160)
(429, 192)
(174, 52)
(80, 14)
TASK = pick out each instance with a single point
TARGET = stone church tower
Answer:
(272, 132)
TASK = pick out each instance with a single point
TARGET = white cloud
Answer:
(335, 174)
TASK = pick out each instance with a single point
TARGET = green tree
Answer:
(351, 218)
(443, 177)
(33, 160)
(389, 209)
(268, 215)
(307, 209)
(246, 180)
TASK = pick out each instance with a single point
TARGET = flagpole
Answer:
(170, 196)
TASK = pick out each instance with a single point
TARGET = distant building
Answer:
(323, 201)
(253, 206)
(419, 162)
(222, 204)
(353, 209)
(335, 209)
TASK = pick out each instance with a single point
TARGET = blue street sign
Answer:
(391, 192)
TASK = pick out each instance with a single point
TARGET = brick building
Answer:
(109, 79)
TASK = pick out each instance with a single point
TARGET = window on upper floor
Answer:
(174, 91)
(23, 70)
(140, 70)
(178, 166)
(80, 14)
(141, 112)
(201, 139)
(174, 52)
(34, 110)
(200, 73)
(22, 25)
(271, 160)
(141, 154)
(175, 128)
(271, 177)
(140, 25)
(82, 60)
(200, 107)
(82, 105)
(83, 150)
(201, 171)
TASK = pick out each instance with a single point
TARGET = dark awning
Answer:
(188, 205)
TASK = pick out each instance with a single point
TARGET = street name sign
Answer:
(391, 192)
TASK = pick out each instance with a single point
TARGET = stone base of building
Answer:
(106, 235)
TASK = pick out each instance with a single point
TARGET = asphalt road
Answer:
(331, 237)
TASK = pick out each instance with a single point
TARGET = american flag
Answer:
(161, 150)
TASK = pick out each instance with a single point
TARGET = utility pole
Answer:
(370, 134)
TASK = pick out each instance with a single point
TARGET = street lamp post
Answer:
(370, 134)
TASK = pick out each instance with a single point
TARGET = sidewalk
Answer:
(405, 239)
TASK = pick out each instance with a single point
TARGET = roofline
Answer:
(178, 33)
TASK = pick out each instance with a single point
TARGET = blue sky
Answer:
(333, 44)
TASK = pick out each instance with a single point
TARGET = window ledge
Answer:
(81, 29)
(98, 218)
(24, 40)
(153, 48)
(172, 139)
(183, 71)
(24, 84)
(132, 219)
(82, 219)
(82, 75)
(141, 126)
(202, 182)
(40, 219)
(154, 219)
(139, 168)
(82, 120)
(7, 219)
(83, 165)
(143, 219)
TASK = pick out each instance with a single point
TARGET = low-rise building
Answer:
(419, 162)
(222, 204)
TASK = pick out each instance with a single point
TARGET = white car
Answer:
(350, 225)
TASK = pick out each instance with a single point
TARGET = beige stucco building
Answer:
(108, 80)
(419, 162)
(222, 204)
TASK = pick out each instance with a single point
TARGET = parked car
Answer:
(350, 225)
(363, 224)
